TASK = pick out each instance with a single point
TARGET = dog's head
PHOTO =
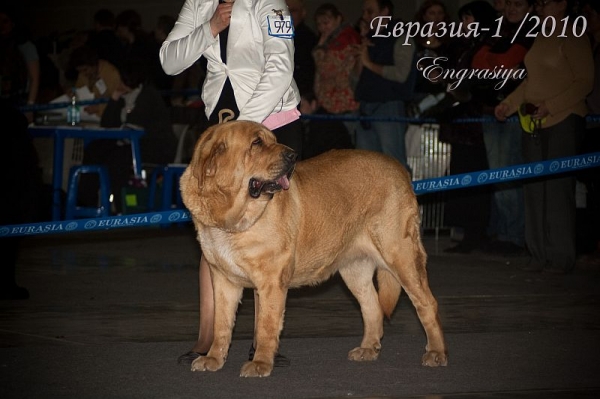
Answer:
(237, 168)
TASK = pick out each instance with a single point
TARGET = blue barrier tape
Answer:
(345, 117)
(502, 175)
(107, 223)
(491, 176)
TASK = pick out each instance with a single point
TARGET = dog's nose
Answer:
(290, 156)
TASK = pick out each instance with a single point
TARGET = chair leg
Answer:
(170, 182)
(105, 207)
(167, 193)
(72, 210)
(73, 188)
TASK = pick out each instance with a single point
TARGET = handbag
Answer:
(528, 123)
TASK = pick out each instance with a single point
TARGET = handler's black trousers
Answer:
(550, 212)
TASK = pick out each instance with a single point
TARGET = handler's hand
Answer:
(541, 111)
(500, 112)
(221, 18)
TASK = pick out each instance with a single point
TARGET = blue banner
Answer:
(426, 186)
(501, 175)
(107, 223)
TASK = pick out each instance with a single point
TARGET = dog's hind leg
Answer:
(408, 259)
(227, 298)
(419, 293)
(359, 279)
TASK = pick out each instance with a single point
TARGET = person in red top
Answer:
(334, 60)
(503, 140)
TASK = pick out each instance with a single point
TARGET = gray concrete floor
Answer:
(110, 312)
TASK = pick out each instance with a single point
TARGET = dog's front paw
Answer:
(363, 354)
(256, 369)
(435, 359)
(205, 363)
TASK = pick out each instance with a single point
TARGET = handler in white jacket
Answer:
(250, 51)
(260, 56)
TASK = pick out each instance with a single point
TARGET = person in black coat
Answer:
(305, 41)
(22, 178)
(104, 40)
(321, 135)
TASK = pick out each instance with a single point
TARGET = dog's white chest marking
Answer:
(217, 242)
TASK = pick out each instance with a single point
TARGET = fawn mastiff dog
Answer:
(269, 223)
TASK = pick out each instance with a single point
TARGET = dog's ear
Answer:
(205, 156)
(210, 165)
(200, 155)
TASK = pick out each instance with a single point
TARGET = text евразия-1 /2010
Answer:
(410, 30)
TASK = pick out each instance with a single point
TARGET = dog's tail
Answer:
(388, 290)
(388, 281)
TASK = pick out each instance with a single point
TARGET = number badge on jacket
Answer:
(280, 25)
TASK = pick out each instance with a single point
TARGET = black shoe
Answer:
(551, 270)
(279, 361)
(534, 266)
(504, 248)
(189, 357)
(461, 248)
(557, 270)
(14, 293)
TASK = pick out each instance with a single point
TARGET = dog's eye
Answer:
(257, 142)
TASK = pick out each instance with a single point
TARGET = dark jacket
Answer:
(159, 143)
(375, 88)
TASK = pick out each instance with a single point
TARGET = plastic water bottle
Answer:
(73, 111)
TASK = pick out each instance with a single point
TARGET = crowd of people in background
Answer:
(342, 68)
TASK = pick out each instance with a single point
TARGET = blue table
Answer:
(60, 133)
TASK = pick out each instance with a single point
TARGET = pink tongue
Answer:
(284, 182)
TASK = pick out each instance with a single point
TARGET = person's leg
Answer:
(392, 135)
(95, 153)
(516, 214)
(503, 146)
(206, 315)
(9, 249)
(207, 308)
(560, 232)
(477, 201)
(120, 172)
(492, 141)
(352, 126)
(366, 136)
(534, 195)
(117, 159)
(473, 201)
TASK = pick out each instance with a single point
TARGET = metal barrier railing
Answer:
(431, 160)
